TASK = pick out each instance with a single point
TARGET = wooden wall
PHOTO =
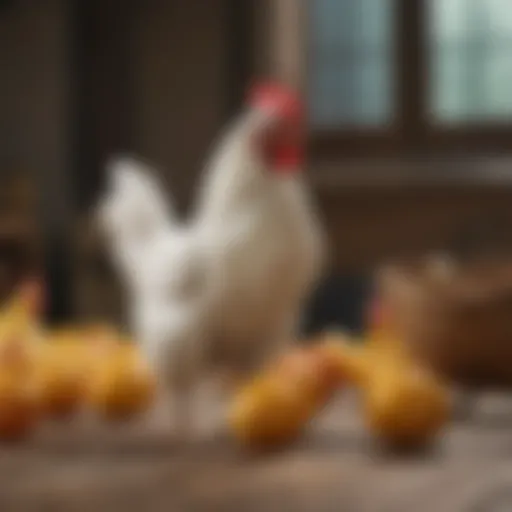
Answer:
(35, 108)
(175, 82)
(35, 94)
(368, 226)
(153, 82)
(180, 71)
(177, 67)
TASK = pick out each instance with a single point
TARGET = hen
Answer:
(225, 289)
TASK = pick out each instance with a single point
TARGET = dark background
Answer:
(410, 129)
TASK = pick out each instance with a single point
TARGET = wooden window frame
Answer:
(411, 134)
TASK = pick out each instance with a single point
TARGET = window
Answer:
(411, 74)
(471, 60)
(351, 63)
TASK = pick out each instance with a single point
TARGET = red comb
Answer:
(274, 95)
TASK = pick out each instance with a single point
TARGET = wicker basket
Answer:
(455, 313)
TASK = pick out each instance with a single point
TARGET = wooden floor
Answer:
(88, 467)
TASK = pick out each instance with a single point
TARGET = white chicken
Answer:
(255, 216)
(227, 288)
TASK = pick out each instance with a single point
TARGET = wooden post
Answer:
(287, 52)
(38, 38)
(240, 35)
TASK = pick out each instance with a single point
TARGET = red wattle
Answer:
(288, 160)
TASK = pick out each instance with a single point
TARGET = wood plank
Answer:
(335, 467)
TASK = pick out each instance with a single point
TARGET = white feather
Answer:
(226, 289)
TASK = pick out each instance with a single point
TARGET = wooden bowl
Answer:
(455, 318)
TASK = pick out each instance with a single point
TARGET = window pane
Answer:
(453, 100)
(373, 83)
(498, 81)
(351, 64)
(449, 20)
(471, 60)
(500, 16)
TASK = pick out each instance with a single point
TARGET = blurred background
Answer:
(409, 124)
